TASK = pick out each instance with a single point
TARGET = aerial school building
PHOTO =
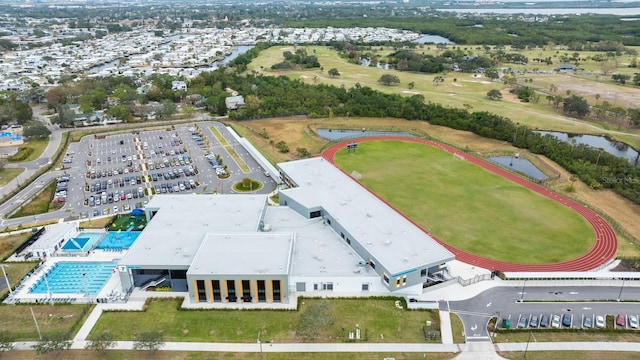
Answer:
(329, 235)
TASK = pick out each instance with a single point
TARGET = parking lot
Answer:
(116, 173)
(568, 319)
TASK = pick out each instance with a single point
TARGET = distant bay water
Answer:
(554, 11)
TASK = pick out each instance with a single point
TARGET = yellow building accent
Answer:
(255, 286)
(195, 286)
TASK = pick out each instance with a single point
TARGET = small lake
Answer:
(520, 165)
(379, 65)
(613, 147)
(337, 135)
(235, 52)
(432, 39)
(105, 66)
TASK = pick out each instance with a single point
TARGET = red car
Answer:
(620, 320)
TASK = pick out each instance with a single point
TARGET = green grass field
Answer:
(467, 207)
(59, 318)
(463, 89)
(8, 174)
(375, 316)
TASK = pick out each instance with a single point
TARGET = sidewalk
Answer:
(274, 347)
(446, 333)
(471, 351)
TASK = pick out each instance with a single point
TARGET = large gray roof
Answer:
(319, 250)
(386, 234)
(177, 230)
(259, 253)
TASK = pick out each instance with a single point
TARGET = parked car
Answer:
(600, 321)
(587, 322)
(544, 321)
(534, 321)
(522, 323)
(555, 322)
(566, 320)
(621, 320)
(633, 321)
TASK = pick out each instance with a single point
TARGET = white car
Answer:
(600, 321)
(115, 209)
(633, 321)
(555, 323)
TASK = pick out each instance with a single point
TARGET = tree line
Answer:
(282, 96)
(276, 96)
(582, 32)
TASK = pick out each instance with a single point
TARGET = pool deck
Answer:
(110, 292)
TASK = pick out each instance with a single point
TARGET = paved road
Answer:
(505, 302)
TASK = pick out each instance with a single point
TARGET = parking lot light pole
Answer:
(522, 292)
(6, 278)
(527, 347)
(260, 342)
(619, 294)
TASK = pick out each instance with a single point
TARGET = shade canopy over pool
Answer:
(83, 242)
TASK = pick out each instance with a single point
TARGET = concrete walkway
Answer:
(446, 333)
(88, 325)
(479, 351)
(471, 350)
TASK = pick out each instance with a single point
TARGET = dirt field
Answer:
(300, 132)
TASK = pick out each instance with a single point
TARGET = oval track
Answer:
(603, 250)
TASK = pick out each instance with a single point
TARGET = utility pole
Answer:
(619, 294)
(6, 278)
(36, 321)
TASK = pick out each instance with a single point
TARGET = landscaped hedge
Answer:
(22, 154)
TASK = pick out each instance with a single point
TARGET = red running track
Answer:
(603, 250)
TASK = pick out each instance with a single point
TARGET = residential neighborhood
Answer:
(144, 51)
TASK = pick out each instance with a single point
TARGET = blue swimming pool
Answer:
(11, 135)
(118, 240)
(74, 277)
(83, 242)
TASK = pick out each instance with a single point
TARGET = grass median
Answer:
(241, 163)
(468, 207)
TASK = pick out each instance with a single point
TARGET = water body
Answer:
(104, 66)
(613, 147)
(235, 52)
(520, 165)
(337, 135)
(559, 11)
(367, 62)
(432, 39)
